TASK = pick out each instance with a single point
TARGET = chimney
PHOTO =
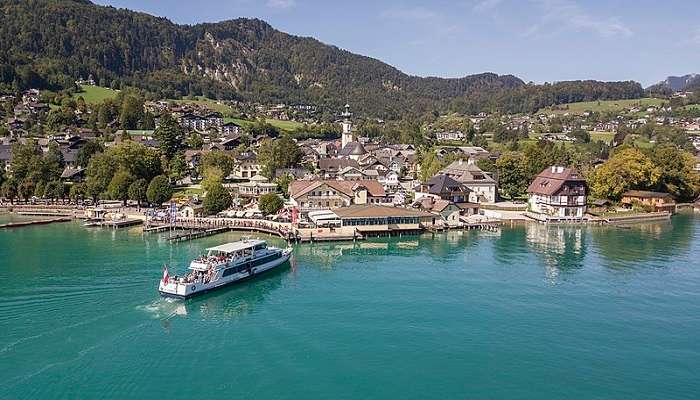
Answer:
(470, 161)
(460, 161)
(560, 169)
(554, 169)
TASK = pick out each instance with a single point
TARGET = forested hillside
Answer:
(51, 43)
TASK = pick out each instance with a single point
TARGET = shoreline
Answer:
(192, 228)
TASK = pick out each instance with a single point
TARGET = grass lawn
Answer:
(602, 106)
(95, 94)
(286, 126)
(182, 192)
(604, 136)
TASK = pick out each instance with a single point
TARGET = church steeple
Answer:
(347, 126)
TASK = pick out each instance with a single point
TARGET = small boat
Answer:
(92, 223)
(223, 265)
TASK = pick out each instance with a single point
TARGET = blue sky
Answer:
(536, 40)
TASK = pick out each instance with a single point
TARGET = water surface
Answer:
(530, 312)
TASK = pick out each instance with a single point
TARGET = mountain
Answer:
(676, 84)
(50, 43)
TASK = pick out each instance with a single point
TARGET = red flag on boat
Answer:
(166, 277)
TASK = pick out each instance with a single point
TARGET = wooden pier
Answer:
(35, 222)
(196, 234)
(121, 223)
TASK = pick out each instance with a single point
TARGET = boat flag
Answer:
(166, 276)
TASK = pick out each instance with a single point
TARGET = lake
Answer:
(528, 312)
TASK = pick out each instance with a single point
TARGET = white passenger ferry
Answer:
(223, 265)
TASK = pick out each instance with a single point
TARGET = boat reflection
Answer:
(235, 301)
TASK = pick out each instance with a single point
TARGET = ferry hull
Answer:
(277, 264)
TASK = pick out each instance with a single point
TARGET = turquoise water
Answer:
(530, 312)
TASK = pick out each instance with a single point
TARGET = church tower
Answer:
(347, 126)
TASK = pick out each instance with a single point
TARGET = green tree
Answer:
(86, 152)
(216, 159)
(94, 189)
(276, 154)
(159, 190)
(77, 192)
(627, 169)
(169, 136)
(512, 178)
(118, 188)
(195, 141)
(212, 176)
(26, 190)
(217, 199)
(177, 166)
(581, 135)
(137, 191)
(53, 163)
(283, 183)
(9, 190)
(677, 172)
(131, 113)
(270, 203)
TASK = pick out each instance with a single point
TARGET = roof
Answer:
(236, 246)
(553, 179)
(374, 211)
(443, 184)
(337, 164)
(299, 188)
(467, 172)
(646, 193)
(353, 149)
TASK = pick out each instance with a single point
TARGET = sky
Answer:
(536, 40)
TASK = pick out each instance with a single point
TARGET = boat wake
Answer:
(163, 308)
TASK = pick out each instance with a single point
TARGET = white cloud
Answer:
(568, 14)
(280, 4)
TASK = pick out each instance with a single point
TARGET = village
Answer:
(342, 185)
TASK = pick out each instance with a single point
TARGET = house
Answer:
(447, 211)
(73, 174)
(231, 141)
(192, 211)
(443, 187)
(380, 218)
(323, 194)
(246, 166)
(482, 185)
(449, 135)
(256, 187)
(330, 167)
(658, 201)
(558, 192)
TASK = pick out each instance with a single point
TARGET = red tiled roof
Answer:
(551, 180)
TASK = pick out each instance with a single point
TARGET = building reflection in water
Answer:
(561, 248)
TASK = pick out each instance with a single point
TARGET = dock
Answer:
(196, 234)
(121, 223)
(34, 222)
